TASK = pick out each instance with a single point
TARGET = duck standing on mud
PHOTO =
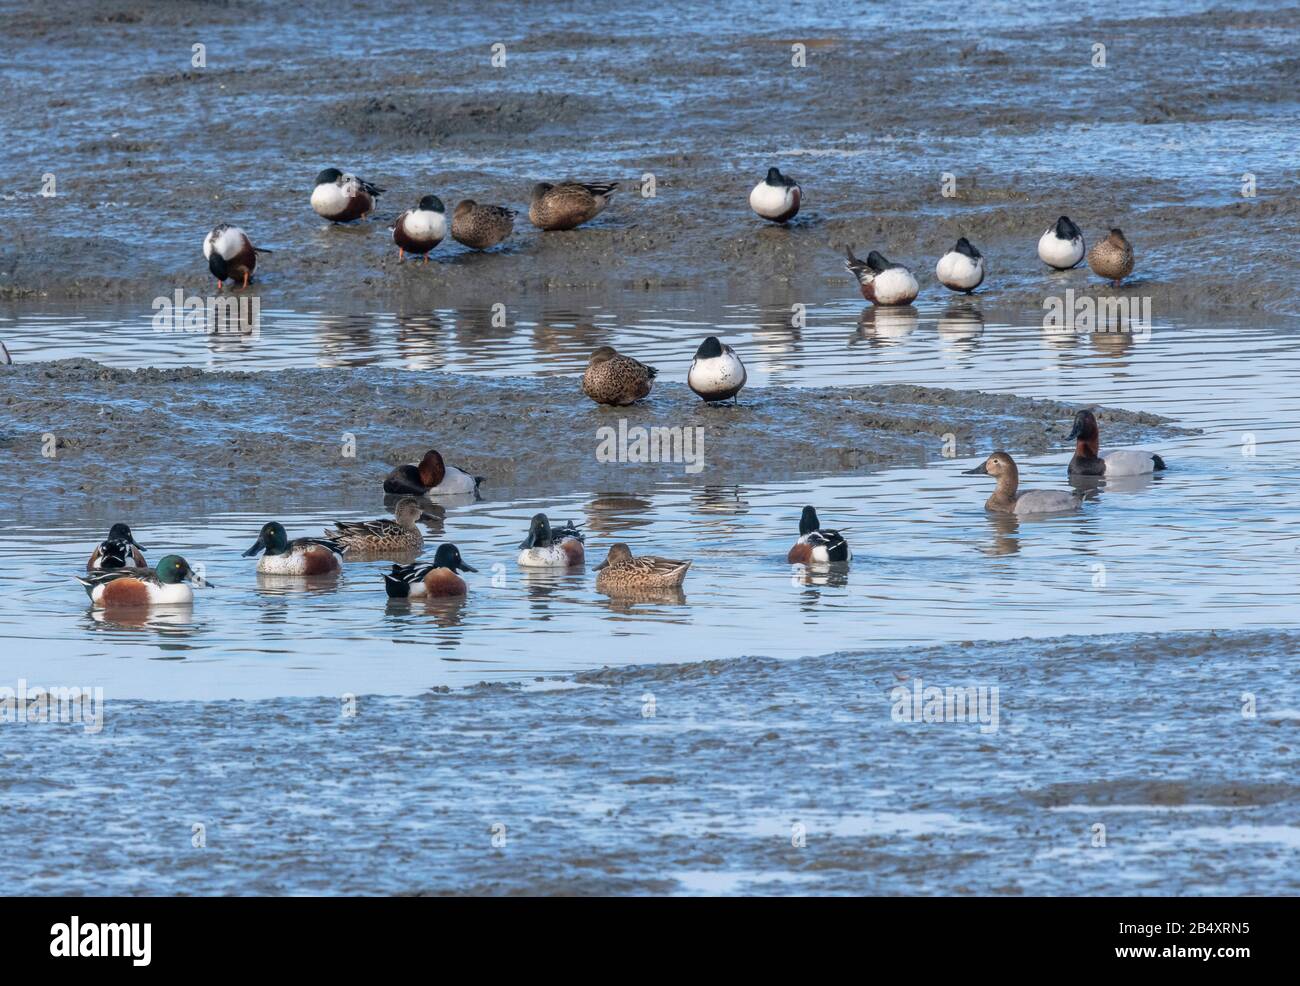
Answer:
(882, 281)
(1112, 258)
(716, 372)
(568, 204)
(1061, 245)
(341, 198)
(612, 378)
(961, 268)
(481, 227)
(419, 230)
(776, 198)
(230, 254)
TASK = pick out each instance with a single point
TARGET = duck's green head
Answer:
(448, 556)
(272, 539)
(539, 533)
(172, 569)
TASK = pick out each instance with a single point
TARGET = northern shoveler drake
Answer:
(1061, 246)
(419, 230)
(1112, 258)
(402, 533)
(431, 477)
(961, 268)
(612, 378)
(1086, 462)
(341, 198)
(882, 281)
(425, 581)
(161, 586)
(230, 254)
(776, 198)
(547, 548)
(568, 204)
(118, 550)
(303, 556)
(816, 546)
(481, 227)
(621, 571)
(716, 372)
(1008, 498)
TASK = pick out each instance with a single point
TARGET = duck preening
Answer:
(1086, 462)
(1112, 258)
(882, 281)
(776, 198)
(961, 268)
(816, 546)
(568, 204)
(302, 556)
(716, 373)
(431, 476)
(1008, 498)
(612, 378)
(620, 571)
(481, 227)
(341, 198)
(429, 581)
(1061, 245)
(127, 587)
(419, 230)
(118, 550)
(230, 254)
(545, 547)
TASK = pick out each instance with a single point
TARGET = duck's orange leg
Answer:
(245, 278)
(401, 255)
(218, 285)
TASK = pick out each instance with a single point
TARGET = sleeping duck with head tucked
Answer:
(431, 476)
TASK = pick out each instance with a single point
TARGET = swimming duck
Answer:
(882, 281)
(341, 198)
(716, 372)
(613, 378)
(161, 586)
(431, 477)
(816, 546)
(118, 550)
(424, 581)
(1006, 499)
(545, 548)
(419, 230)
(961, 268)
(1061, 246)
(1086, 461)
(776, 198)
(399, 534)
(621, 571)
(481, 226)
(1112, 258)
(230, 254)
(568, 204)
(302, 556)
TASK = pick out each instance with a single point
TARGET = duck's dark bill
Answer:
(982, 468)
(258, 545)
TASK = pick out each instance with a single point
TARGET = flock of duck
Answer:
(118, 575)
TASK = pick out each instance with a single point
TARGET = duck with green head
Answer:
(302, 556)
(161, 586)
(428, 581)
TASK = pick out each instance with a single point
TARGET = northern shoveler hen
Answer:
(816, 546)
(419, 230)
(776, 198)
(118, 550)
(621, 571)
(716, 372)
(1061, 245)
(882, 281)
(612, 378)
(230, 254)
(341, 198)
(568, 204)
(161, 586)
(424, 581)
(1007, 498)
(481, 227)
(1112, 258)
(547, 548)
(431, 477)
(961, 268)
(402, 533)
(303, 556)
(1086, 462)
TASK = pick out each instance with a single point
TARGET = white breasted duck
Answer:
(303, 556)
(118, 550)
(548, 548)
(776, 198)
(716, 372)
(431, 476)
(429, 581)
(1008, 498)
(128, 587)
(1061, 246)
(882, 281)
(230, 254)
(341, 198)
(419, 230)
(1125, 462)
(816, 546)
(961, 268)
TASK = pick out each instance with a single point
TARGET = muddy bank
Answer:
(159, 435)
(750, 776)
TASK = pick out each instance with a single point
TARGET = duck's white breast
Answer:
(1059, 253)
(958, 269)
(770, 201)
(328, 199)
(425, 224)
(716, 374)
(895, 286)
(552, 557)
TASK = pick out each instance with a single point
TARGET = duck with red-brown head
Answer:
(431, 476)
(1087, 461)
